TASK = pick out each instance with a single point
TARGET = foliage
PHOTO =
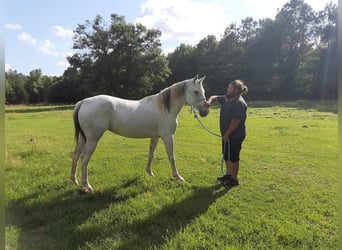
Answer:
(293, 56)
(119, 59)
(287, 198)
(14, 87)
(122, 59)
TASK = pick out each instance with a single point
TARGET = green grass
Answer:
(287, 198)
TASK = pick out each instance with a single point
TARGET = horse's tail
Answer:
(78, 129)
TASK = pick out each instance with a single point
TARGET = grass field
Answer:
(287, 198)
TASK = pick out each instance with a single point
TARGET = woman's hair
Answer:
(239, 86)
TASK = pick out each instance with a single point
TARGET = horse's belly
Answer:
(136, 133)
(134, 130)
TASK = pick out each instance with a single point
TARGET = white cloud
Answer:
(63, 63)
(65, 54)
(62, 32)
(318, 5)
(269, 8)
(168, 50)
(27, 38)
(7, 67)
(13, 26)
(184, 20)
(48, 48)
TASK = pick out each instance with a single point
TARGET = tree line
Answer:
(291, 57)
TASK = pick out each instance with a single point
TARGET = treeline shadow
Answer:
(37, 109)
(55, 223)
(321, 106)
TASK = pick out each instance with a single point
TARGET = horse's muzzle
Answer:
(203, 111)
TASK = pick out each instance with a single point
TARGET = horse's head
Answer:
(195, 95)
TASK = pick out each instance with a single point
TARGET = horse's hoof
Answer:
(150, 173)
(179, 178)
(84, 191)
(74, 181)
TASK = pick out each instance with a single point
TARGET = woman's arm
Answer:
(232, 126)
(211, 99)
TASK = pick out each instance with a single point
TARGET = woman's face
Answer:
(230, 90)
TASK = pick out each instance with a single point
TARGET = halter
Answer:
(197, 99)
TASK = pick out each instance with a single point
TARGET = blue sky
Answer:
(38, 33)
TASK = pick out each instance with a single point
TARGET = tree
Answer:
(326, 84)
(187, 61)
(10, 96)
(15, 90)
(248, 30)
(295, 22)
(34, 86)
(293, 56)
(118, 59)
(205, 56)
(228, 58)
(67, 89)
(261, 56)
(307, 74)
(182, 63)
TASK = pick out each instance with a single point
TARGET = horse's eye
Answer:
(196, 92)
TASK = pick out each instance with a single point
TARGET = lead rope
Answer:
(228, 150)
(192, 110)
(203, 126)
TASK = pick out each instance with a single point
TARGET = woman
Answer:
(233, 116)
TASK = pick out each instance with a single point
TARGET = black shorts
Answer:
(233, 147)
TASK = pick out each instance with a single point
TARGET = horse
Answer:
(154, 117)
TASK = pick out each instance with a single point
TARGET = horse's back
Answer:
(136, 119)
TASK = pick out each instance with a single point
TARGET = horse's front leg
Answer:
(153, 145)
(168, 142)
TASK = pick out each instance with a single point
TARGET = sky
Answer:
(38, 33)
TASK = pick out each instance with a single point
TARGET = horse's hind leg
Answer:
(85, 157)
(153, 146)
(75, 157)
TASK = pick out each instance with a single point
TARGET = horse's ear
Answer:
(196, 78)
(202, 79)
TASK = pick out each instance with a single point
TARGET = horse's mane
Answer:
(166, 96)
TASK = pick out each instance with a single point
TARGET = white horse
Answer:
(152, 117)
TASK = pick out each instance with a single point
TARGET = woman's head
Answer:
(237, 88)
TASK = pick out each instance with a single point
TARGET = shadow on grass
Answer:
(155, 230)
(55, 223)
(59, 222)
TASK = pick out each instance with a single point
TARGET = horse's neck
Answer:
(178, 97)
(175, 109)
(173, 98)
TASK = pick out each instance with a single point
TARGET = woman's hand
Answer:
(225, 137)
